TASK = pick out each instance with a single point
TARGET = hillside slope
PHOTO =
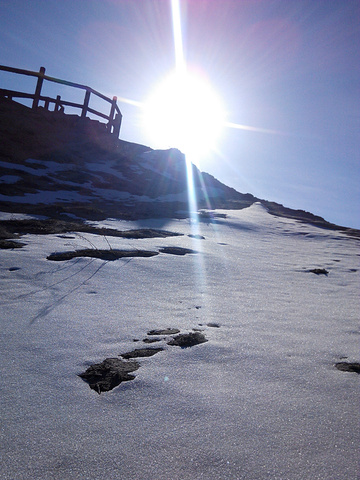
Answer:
(154, 348)
(262, 397)
(60, 165)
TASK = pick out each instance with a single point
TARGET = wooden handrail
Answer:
(114, 117)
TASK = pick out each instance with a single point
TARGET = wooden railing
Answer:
(113, 119)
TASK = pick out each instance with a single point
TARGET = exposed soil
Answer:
(42, 135)
(319, 271)
(185, 340)
(176, 250)
(108, 374)
(5, 244)
(141, 352)
(196, 236)
(209, 216)
(108, 254)
(12, 228)
(164, 331)
(348, 367)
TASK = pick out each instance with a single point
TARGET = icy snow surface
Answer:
(260, 400)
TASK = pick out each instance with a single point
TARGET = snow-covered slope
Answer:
(61, 165)
(261, 399)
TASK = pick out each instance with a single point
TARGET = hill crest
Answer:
(63, 166)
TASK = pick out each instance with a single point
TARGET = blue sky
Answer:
(292, 66)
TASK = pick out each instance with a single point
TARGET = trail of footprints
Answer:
(108, 374)
(104, 376)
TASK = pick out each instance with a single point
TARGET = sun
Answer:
(184, 112)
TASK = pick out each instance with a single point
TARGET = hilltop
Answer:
(63, 166)
(137, 343)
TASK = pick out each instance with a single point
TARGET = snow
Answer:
(35, 167)
(103, 167)
(260, 400)
(9, 178)
(20, 216)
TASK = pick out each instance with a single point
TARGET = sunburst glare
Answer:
(184, 112)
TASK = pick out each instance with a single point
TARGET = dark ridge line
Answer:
(47, 136)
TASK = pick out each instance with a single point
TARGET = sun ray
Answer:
(129, 101)
(177, 34)
(180, 72)
(248, 128)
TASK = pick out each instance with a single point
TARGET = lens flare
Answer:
(184, 112)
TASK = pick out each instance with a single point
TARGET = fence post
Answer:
(117, 125)
(57, 104)
(86, 104)
(111, 116)
(38, 88)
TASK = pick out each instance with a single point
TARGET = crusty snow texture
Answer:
(261, 399)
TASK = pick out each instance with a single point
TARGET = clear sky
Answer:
(288, 66)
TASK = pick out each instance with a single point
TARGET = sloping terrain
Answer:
(60, 165)
(235, 360)
(137, 343)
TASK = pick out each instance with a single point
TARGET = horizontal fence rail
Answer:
(113, 119)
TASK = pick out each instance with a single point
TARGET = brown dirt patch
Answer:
(176, 250)
(108, 374)
(108, 255)
(185, 340)
(348, 367)
(164, 331)
(141, 352)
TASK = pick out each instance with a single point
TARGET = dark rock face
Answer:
(74, 145)
(142, 352)
(108, 374)
(185, 340)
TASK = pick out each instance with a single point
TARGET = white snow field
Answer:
(260, 400)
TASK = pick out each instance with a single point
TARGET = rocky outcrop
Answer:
(62, 165)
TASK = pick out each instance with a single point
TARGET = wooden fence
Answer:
(113, 119)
